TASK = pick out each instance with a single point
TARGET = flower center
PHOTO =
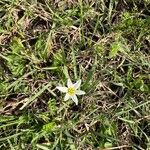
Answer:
(71, 91)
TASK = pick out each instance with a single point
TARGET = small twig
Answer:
(118, 147)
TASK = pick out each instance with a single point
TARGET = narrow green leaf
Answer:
(31, 99)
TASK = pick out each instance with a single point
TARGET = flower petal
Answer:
(79, 92)
(69, 83)
(62, 89)
(67, 96)
(77, 84)
(75, 99)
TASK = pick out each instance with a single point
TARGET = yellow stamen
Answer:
(71, 91)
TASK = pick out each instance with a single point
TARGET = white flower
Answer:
(71, 90)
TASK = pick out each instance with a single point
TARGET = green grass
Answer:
(104, 43)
